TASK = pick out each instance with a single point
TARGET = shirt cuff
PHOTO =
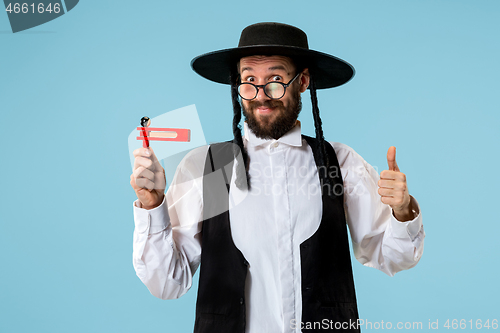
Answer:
(153, 220)
(408, 228)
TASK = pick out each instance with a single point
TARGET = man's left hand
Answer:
(393, 189)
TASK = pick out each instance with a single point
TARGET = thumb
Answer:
(391, 159)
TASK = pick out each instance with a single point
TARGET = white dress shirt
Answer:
(282, 209)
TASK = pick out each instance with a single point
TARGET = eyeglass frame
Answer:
(263, 87)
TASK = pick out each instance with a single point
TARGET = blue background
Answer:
(71, 91)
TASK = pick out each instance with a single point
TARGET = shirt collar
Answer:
(292, 137)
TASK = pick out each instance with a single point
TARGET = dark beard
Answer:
(284, 122)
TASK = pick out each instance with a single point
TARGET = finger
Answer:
(142, 172)
(387, 174)
(144, 162)
(147, 153)
(153, 156)
(145, 183)
(386, 183)
(386, 192)
(391, 192)
(396, 202)
(391, 159)
(393, 175)
(388, 200)
(137, 184)
(143, 188)
(394, 184)
(132, 182)
(160, 179)
(144, 152)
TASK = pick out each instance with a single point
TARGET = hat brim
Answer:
(329, 71)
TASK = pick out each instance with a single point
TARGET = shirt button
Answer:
(241, 301)
(276, 144)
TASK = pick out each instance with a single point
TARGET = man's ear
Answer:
(305, 78)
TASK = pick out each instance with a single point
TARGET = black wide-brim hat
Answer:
(274, 39)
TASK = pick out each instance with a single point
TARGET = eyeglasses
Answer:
(273, 90)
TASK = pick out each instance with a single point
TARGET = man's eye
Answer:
(250, 79)
(277, 78)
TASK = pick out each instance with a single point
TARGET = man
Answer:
(275, 251)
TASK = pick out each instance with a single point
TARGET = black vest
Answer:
(328, 294)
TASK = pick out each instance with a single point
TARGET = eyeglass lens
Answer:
(273, 90)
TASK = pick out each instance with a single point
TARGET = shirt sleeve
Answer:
(167, 239)
(379, 240)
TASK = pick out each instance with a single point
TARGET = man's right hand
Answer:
(148, 178)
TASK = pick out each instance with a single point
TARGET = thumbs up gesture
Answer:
(393, 189)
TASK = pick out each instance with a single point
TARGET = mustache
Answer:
(252, 105)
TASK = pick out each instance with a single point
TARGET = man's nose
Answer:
(261, 95)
